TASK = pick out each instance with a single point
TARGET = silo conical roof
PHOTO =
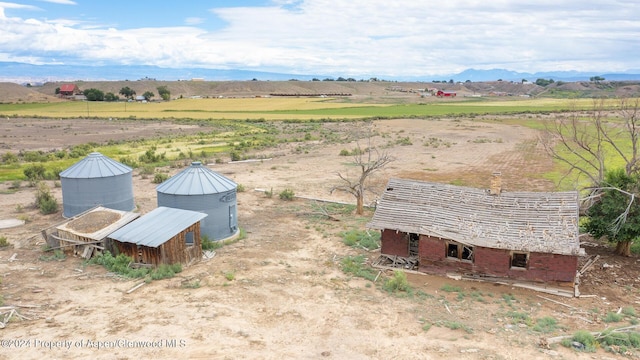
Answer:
(95, 165)
(196, 180)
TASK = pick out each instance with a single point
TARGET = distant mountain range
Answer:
(37, 74)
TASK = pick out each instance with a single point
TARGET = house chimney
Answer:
(496, 183)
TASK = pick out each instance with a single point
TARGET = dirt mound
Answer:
(14, 93)
(94, 221)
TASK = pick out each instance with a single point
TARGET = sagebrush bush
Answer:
(287, 194)
(398, 282)
(45, 201)
(159, 178)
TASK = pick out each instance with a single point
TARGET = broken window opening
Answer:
(414, 240)
(452, 250)
(467, 253)
(459, 251)
(519, 260)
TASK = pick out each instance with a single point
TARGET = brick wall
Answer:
(394, 243)
(496, 262)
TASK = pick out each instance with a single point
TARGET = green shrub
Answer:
(519, 317)
(150, 156)
(235, 156)
(121, 265)
(450, 288)
(35, 172)
(287, 194)
(9, 158)
(360, 238)
(158, 178)
(3, 242)
(58, 255)
(455, 325)
(129, 162)
(613, 317)
(230, 275)
(546, 324)
(208, 244)
(45, 201)
(585, 338)
(148, 170)
(165, 271)
(355, 265)
(240, 188)
(398, 282)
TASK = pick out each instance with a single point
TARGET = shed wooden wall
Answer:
(173, 251)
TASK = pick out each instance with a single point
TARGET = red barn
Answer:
(441, 93)
(441, 229)
(69, 90)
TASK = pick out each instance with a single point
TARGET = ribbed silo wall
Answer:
(81, 194)
(221, 208)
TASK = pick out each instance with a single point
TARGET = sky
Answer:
(351, 38)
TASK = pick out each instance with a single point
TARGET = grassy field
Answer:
(284, 109)
(233, 139)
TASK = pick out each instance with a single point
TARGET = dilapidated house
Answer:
(162, 236)
(488, 233)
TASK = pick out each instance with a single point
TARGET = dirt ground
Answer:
(280, 293)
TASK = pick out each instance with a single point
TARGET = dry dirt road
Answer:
(280, 292)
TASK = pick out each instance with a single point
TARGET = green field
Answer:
(284, 109)
(232, 128)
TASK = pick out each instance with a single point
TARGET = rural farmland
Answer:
(291, 286)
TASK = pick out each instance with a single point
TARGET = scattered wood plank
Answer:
(560, 303)
(589, 264)
(136, 287)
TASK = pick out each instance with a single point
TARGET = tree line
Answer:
(93, 94)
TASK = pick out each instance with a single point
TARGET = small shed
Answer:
(199, 188)
(86, 233)
(96, 180)
(489, 233)
(162, 236)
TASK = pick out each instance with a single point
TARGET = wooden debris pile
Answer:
(395, 261)
(8, 312)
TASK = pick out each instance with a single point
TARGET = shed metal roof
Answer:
(196, 180)
(157, 226)
(95, 165)
(544, 222)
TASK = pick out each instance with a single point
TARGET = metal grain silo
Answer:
(200, 189)
(96, 180)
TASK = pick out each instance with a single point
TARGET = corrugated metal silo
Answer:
(96, 180)
(199, 188)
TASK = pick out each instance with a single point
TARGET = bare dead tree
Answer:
(368, 161)
(586, 143)
(592, 146)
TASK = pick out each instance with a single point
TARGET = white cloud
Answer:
(359, 37)
(194, 20)
(62, 2)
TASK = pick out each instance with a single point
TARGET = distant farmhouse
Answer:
(69, 90)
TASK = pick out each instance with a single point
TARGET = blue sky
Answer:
(356, 38)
